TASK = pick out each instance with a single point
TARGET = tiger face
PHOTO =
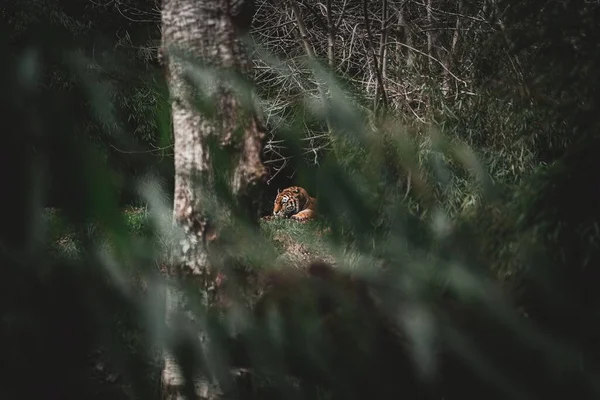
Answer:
(295, 203)
(286, 206)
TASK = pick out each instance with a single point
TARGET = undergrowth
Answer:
(465, 240)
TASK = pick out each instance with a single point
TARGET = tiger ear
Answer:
(278, 190)
(296, 190)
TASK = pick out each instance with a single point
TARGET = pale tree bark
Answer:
(198, 34)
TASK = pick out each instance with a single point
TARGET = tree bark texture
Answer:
(199, 34)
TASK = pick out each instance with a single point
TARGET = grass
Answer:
(294, 239)
(294, 243)
(66, 237)
(430, 256)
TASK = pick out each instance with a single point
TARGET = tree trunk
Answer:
(201, 34)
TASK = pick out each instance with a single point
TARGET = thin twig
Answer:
(433, 59)
(374, 57)
(140, 151)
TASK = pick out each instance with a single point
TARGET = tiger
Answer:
(295, 203)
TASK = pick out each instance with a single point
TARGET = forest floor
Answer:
(294, 245)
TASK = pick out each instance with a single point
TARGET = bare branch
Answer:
(330, 36)
(383, 45)
(435, 60)
(374, 57)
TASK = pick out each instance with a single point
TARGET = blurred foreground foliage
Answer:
(483, 272)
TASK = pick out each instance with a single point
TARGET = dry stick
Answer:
(451, 56)
(374, 56)
(403, 26)
(429, 34)
(332, 30)
(341, 16)
(408, 32)
(516, 64)
(383, 43)
(457, 28)
(330, 36)
(348, 49)
(310, 53)
(433, 59)
(445, 12)
(318, 18)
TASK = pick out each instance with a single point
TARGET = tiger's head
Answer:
(289, 201)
